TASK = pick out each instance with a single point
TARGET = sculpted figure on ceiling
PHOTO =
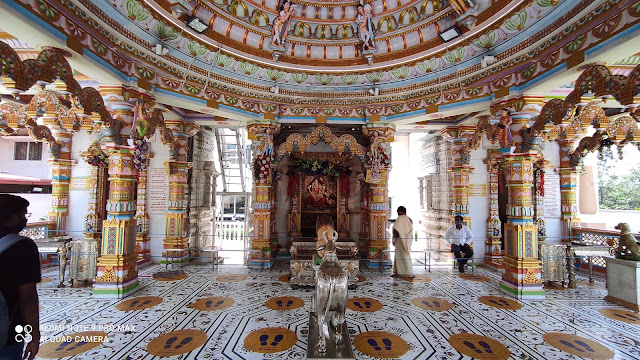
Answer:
(365, 27)
(281, 24)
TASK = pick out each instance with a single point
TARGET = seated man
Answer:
(459, 236)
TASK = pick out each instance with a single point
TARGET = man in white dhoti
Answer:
(403, 236)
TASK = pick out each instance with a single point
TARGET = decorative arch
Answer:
(322, 131)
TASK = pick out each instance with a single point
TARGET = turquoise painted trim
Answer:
(519, 89)
(241, 111)
(400, 116)
(464, 103)
(36, 20)
(614, 38)
(179, 95)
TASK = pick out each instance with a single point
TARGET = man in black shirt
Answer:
(19, 274)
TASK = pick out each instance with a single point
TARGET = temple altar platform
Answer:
(236, 313)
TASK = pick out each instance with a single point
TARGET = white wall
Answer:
(78, 199)
(156, 220)
(39, 169)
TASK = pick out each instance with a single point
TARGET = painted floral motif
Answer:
(401, 73)
(428, 65)
(47, 10)
(299, 77)
(375, 77)
(297, 111)
(529, 71)
(248, 68)
(517, 21)
(230, 100)
(274, 74)
(487, 40)
(456, 55)
(608, 26)
(99, 47)
(269, 107)
(192, 89)
(196, 49)
(144, 72)
(136, 12)
(575, 44)
(165, 33)
(324, 79)
(223, 60)
(328, 111)
(635, 9)
(349, 79)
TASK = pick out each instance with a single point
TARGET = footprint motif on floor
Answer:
(263, 339)
(367, 304)
(584, 345)
(357, 303)
(427, 303)
(63, 345)
(471, 346)
(277, 339)
(570, 344)
(486, 347)
(170, 341)
(76, 345)
(184, 342)
(387, 343)
(374, 344)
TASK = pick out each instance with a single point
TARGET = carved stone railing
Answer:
(594, 236)
(39, 230)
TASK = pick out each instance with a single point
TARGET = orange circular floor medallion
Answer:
(139, 303)
(170, 276)
(72, 344)
(270, 340)
(361, 278)
(380, 344)
(622, 315)
(177, 342)
(500, 302)
(432, 303)
(285, 278)
(479, 347)
(284, 303)
(363, 304)
(231, 278)
(45, 280)
(213, 303)
(417, 278)
(474, 277)
(579, 346)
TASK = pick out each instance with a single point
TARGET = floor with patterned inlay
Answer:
(237, 313)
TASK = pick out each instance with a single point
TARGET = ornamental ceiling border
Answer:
(599, 32)
(510, 23)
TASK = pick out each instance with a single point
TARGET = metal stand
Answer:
(334, 351)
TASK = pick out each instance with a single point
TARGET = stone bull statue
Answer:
(331, 292)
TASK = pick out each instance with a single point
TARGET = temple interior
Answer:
(179, 157)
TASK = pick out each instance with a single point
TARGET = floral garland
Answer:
(99, 159)
(381, 156)
(140, 154)
(262, 168)
(538, 171)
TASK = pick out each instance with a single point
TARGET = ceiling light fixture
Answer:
(196, 24)
(160, 50)
(449, 34)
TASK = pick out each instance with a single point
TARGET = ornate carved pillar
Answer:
(343, 213)
(263, 165)
(117, 275)
(522, 277)
(178, 170)
(461, 155)
(365, 195)
(143, 248)
(493, 247)
(98, 182)
(568, 188)
(377, 174)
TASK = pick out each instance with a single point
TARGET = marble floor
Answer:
(237, 313)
